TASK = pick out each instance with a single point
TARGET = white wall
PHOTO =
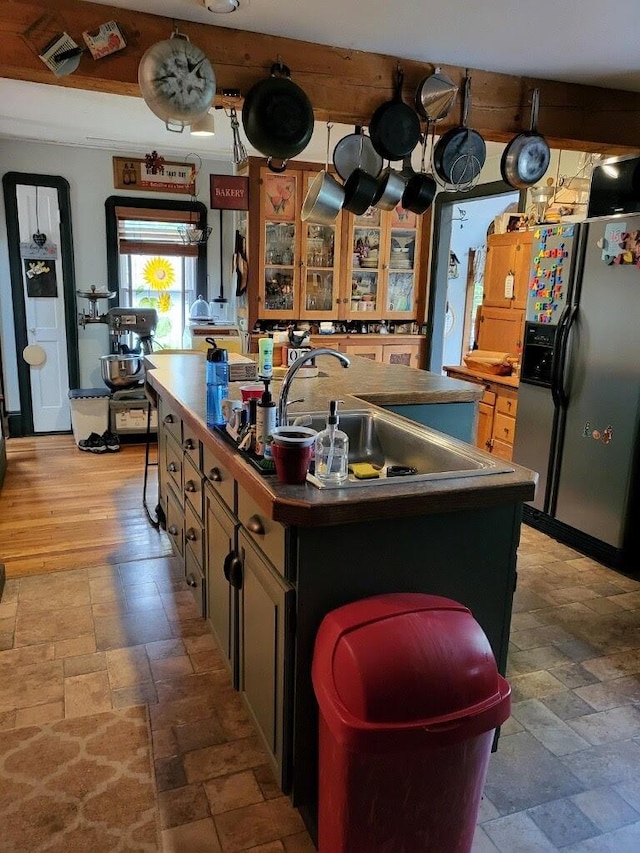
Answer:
(90, 175)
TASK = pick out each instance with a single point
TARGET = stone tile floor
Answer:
(566, 775)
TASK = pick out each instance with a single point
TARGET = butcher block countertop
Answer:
(180, 380)
(464, 372)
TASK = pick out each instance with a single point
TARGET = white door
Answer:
(45, 315)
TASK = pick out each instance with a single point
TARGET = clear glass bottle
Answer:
(217, 384)
(332, 449)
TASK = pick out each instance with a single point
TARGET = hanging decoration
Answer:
(453, 265)
(39, 255)
(153, 174)
(192, 233)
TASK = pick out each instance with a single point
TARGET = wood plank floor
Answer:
(61, 508)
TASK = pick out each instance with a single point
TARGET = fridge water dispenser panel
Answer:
(537, 356)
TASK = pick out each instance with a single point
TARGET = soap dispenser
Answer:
(332, 449)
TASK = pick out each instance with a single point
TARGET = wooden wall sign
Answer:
(131, 173)
(229, 192)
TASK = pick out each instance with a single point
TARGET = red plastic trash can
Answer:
(409, 697)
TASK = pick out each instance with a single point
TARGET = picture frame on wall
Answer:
(133, 173)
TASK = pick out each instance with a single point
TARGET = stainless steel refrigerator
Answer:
(579, 397)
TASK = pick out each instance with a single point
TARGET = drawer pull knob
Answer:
(168, 419)
(255, 525)
(191, 535)
(172, 529)
(188, 445)
(172, 467)
(215, 476)
(191, 581)
(190, 486)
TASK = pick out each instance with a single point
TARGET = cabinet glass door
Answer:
(319, 294)
(320, 278)
(400, 290)
(279, 250)
(366, 266)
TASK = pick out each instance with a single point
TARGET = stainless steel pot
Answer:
(324, 200)
(177, 81)
(391, 185)
(121, 371)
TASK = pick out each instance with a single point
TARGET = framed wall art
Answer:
(153, 174)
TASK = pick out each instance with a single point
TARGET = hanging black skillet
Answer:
(277, 117)
(421, 188)
(395, 127)
(526, 158)
(459, 155)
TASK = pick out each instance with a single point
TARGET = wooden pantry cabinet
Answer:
(368, 267)
(506, 276)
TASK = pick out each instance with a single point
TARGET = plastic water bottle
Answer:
(217, 384)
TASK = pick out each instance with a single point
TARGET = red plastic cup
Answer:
(292, 462)
(251, 391)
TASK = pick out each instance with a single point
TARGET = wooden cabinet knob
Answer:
(188, 445)
(191, 581)
(190, 487)
(168, 419)
(191, 535)
(172, 467)
(214, 475)
(172, 529)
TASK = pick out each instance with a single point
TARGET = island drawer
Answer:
(219, 477)
(268, 535)
(191, 445)
(175, 524)
(193, 491)
(171, 421)
(194, 535)
(173, 464)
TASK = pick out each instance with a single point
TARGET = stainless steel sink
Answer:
(386, 440)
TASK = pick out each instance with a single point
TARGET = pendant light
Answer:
(204, 126)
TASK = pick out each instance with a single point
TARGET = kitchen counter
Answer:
(180, 378)
(267, 562)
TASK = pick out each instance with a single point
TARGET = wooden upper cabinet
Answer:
(507, 255)
(500, 330)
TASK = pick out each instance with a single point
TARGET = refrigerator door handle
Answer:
(558, 390)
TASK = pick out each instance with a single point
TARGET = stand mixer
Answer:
(123, 368)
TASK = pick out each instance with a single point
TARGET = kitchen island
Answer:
(268, 561)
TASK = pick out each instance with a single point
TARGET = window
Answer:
(154, 265)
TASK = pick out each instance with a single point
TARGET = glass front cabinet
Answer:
(360, 268)
(383, 264)
(299, 262)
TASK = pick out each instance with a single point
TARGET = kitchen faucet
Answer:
(291, 372)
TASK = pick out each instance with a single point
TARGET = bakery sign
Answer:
(229, 192)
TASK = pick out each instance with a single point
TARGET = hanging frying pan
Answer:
(435, 96)
(278, 117)
(459, 155)
(395, 126)
(526, 158)
(421, 188)
(356, 151)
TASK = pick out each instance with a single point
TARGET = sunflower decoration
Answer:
(164, 303)
(159, 274)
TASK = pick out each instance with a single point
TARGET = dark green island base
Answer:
(268, 561)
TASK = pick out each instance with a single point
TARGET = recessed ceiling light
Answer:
(221, 7)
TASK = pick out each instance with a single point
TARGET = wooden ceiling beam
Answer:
(344, 85)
